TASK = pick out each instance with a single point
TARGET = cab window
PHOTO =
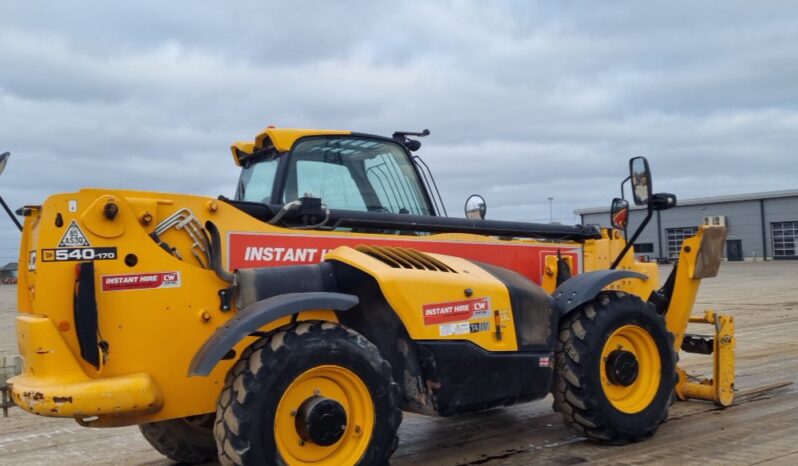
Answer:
(351, 173)
(330, 182)
(256, 181)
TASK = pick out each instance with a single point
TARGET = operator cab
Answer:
(350, 172)
(338, 180)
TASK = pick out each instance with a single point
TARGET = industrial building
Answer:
(760, 225)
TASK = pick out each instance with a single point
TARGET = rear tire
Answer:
(185, 440)
(259, 412)
(607, 406)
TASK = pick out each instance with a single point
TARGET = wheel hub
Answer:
(622, 368)
(321, 420)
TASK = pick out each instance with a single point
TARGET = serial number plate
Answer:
(78, 254)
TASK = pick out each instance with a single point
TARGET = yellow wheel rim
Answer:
(636, 396)
(336, 383)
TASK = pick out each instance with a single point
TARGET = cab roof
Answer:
(282, 139)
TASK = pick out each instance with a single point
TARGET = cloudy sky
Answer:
(525, 100)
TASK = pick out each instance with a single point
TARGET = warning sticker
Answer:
(455, 311)
(141, 281)
(462, 328)
(459, 328)
(73, 237)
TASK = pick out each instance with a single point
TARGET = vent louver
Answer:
(404, 258)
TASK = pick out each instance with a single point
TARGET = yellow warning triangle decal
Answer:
(73, 237)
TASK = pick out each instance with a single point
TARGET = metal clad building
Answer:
(759, 225)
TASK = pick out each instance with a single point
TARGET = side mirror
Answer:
(663, 201)
(641, 180)
(619, 214)
(4, 160)
(475, 207)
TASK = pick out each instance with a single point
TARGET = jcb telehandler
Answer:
(294, 323)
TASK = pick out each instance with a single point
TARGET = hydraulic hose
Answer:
(216, 253)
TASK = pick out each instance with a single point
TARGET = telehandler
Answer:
(294, 323)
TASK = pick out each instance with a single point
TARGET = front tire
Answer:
(615, 369)
(311, 393)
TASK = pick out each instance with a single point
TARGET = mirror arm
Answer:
(623, 196)
(10, 213)
(631, 242)
(628, 178)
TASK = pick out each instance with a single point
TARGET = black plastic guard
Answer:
(258, 314)
(534, 312)
(582, 288)
(463, 378)
(85, 314)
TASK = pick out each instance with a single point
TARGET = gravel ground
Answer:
(759, 429)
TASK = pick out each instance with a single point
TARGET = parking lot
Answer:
(761, 428)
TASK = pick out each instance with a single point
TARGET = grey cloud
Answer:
(525, 100)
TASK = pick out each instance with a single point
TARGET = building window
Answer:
(785, 237)
(644, 248)
(676, 237)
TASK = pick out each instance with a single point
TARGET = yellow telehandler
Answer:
(295, 322)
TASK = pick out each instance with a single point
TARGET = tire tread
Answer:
(572, 398)
(166, 437)
(233, 420)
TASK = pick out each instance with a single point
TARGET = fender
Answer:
(258, 314)
(584, 287)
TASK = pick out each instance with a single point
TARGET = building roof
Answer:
(10, 267)
(707, 200)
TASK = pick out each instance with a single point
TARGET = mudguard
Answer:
(258, 314)
(584, 287)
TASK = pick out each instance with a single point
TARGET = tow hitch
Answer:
(5, 398)
(11, 366)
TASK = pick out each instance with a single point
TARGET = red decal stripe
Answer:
(455, 311)
(249, 250)
(140, 281)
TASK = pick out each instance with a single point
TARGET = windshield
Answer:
(347, 173)
(256, 181)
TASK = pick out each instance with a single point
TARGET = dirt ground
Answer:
(759, 429)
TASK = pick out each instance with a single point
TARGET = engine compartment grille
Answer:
(405, 258)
